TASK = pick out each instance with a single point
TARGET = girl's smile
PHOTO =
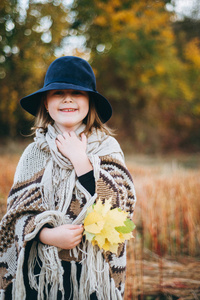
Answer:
(68, 108)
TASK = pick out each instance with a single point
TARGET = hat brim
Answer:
(31, 102)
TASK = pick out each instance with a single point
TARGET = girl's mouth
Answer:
(68, 109)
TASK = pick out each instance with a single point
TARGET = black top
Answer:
(88, 182)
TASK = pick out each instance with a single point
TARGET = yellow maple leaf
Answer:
(116, 217)
(125, 237)
(103, 226)
(101, 208)
(93, 217)
(100, 239)
(110, 247)
(113, 248)
(96, 227)
(106, 246)
(110, 233)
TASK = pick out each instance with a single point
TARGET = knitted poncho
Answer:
(46, 190)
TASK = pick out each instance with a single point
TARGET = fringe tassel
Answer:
(119, 296)
(51, 273)
(53, 270)
(31, 265)
(2, 295)
(18, 290)
(113, 290)
(74, 280)
(74, 252)
(95, 277)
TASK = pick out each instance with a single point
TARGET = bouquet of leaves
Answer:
(107, 227)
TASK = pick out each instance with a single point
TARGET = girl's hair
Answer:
(92, 120)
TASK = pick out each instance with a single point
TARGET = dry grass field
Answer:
(164, 257)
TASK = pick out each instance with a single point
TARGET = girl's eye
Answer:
(58, 92)
(77, 92)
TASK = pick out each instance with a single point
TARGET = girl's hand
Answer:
(65, 236)
(70, 145)
(75, 150)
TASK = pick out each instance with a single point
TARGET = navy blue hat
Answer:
(69, 72)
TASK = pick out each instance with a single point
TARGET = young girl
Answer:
(72, 163)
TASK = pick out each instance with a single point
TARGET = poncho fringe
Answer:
(47, 191)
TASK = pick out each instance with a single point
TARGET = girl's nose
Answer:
(67, 98)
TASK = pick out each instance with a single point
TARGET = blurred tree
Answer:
(28, 39)
(137, 65)
(187, 32)
(145, 60)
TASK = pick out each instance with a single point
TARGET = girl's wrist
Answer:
(45, 236)
(82, 165)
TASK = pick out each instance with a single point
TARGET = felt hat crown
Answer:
(69, 72)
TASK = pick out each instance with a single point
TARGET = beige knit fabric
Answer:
(47, 191)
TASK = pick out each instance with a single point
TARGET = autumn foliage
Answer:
(146, 65)
(107, 227)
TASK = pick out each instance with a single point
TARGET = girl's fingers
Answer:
(60, 140)
(66, 135)
(58, 143)
(72, 134)
(60, 137)
(84, 139)
(69, 134)
(77, 230)
(78, 239)
(73, 226)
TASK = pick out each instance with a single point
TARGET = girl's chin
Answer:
(68, 126)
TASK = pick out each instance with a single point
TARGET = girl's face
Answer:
(68, 108)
